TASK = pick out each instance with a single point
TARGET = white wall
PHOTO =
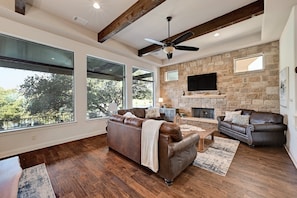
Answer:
(27, 27)
(288, 58)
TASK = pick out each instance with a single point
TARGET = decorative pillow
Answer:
(229, 115)
(129, 115)
(241, 119)
(152, 113)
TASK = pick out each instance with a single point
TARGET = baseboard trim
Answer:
(291, 157)
(48, 144)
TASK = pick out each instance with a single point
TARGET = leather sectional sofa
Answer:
(263, 128)
(175, 151)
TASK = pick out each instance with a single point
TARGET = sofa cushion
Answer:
(241, 119)
(118, 118)
(129, 115)
(138, 112)
(226, 124)
(245, 111)
(239, 128)
(123, 111)
(172, 130)
(134, 121)
(271, 127)
(264, 117)
(229, 115)
(152, 113)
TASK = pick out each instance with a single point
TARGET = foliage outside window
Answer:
(36, 86)
(250, 63)
(105, 85)
(171, 75)
(142, 88)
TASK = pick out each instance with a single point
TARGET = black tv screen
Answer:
(202, 82)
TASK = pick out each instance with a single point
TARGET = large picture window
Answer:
(36, 84)
(142, 88)
(105, 85)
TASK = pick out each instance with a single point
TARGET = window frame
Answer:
(153, 85)
(48, 64)
(168, 72)
(237, 60)
(97, 74)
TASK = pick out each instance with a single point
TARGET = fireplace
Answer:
(203, 113)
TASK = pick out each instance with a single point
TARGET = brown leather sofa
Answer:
(140, 113)
(264, 128)
(175, 152)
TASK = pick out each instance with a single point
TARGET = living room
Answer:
(279, 54)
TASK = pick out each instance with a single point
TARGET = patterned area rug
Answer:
(218, 157)
(36, 183)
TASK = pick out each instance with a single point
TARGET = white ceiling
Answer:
(186, 14)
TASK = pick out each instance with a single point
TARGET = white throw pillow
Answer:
(129, 115)
(152, 113)
(241, 119)
(229, 115)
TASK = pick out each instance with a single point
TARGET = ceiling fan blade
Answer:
(187, 48)
(154, 41)
(182, 38)
(169, 55)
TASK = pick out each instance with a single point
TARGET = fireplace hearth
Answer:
(203, 113)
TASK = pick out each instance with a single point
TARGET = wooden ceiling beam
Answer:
(136, 11)
(241, 14)
(20, 6)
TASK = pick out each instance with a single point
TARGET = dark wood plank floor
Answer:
(87, 168)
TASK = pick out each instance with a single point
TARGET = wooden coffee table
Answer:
(204, 142)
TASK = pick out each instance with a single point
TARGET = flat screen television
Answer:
(202, 82)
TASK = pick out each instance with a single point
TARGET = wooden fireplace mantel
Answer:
(205, 96)
(208, 120)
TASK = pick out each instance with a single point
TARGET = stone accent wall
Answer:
(256, 90)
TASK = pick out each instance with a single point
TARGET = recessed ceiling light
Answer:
(96, 5)
(216, 34)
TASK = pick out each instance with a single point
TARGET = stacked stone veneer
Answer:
(256, 90)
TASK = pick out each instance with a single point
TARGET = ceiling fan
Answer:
(168, 47)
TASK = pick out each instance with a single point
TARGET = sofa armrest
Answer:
(220, 118)
(188, 141)
(267, 127)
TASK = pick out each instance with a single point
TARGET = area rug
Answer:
(36, 183)
(218, 157)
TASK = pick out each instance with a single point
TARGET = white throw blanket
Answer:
(149, 144)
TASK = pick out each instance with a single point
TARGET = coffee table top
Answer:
(187, 129)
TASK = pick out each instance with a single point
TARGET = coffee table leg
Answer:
(201, 144)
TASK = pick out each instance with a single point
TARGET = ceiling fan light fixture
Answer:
(170, 46)
(168, 49)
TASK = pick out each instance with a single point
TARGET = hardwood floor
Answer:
(87, 168)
